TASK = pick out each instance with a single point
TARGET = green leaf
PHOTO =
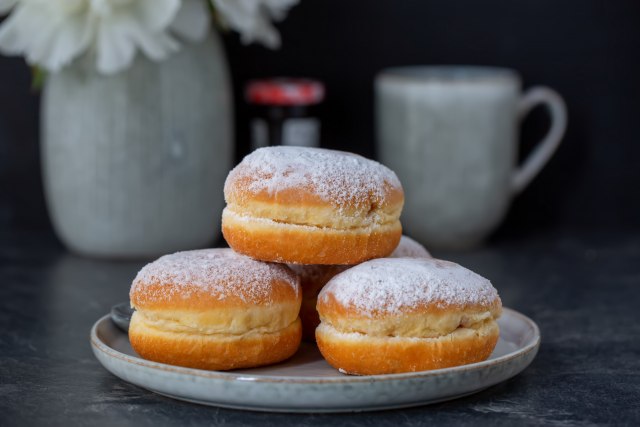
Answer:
(38, 76)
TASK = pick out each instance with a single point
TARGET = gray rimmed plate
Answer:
(306, 383)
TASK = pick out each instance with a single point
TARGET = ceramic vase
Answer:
(134, 163)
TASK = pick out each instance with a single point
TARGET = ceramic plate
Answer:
(306, 383)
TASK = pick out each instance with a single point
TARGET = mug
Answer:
(451, 135)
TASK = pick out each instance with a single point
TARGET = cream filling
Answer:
(225, 322)
(484, 328)
(229, 217)
(422, 325)
(318, 216)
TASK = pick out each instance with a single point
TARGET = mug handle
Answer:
(535, 96)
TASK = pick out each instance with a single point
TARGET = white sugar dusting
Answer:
(393, 285)
(220, 272)
(335, 176)
(410, 248)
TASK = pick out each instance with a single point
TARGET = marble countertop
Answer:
(583, 290)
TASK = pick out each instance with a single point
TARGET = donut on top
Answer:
(397, 315)
(312, 206)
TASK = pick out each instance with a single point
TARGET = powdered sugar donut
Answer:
(312, 206)
(314, 277)
(406, 314)
(409, 248)
(215, 309)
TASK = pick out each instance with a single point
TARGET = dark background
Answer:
(587, 50)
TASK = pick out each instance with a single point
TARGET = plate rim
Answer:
(101, 346)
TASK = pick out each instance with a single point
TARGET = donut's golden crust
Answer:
(238, 191)
(154, 295)
(279, 242)
(424, 338)
(360, 354)
(203, 280)
(213, 352)
(335, 312)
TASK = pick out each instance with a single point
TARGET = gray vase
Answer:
(134, 164)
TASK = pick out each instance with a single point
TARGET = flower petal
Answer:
(52, 33)
(119, 37)
(155, 15)
(262, 31)
(67, 44)
(278, 9)
(115, 51)
(237, 13)
(193, 20)
(7, 5)
(252, 18)
(12, 40)
(156, 46)
(45, 35)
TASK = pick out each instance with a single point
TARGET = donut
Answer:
(397, 315)
(314, 277)
(312, 280)
(302, 205)
(410, 248)
(215, 309)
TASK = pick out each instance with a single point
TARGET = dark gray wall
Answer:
(588, 50)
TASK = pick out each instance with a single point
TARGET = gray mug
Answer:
(451, 135)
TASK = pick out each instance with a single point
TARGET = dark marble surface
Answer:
(583, 289)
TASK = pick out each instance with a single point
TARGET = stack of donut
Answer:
(316, 251)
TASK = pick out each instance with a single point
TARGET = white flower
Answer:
(52, 33)
(252, 18)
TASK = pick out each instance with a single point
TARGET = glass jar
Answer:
(285, 111)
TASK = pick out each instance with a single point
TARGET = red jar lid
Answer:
(284, 92)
